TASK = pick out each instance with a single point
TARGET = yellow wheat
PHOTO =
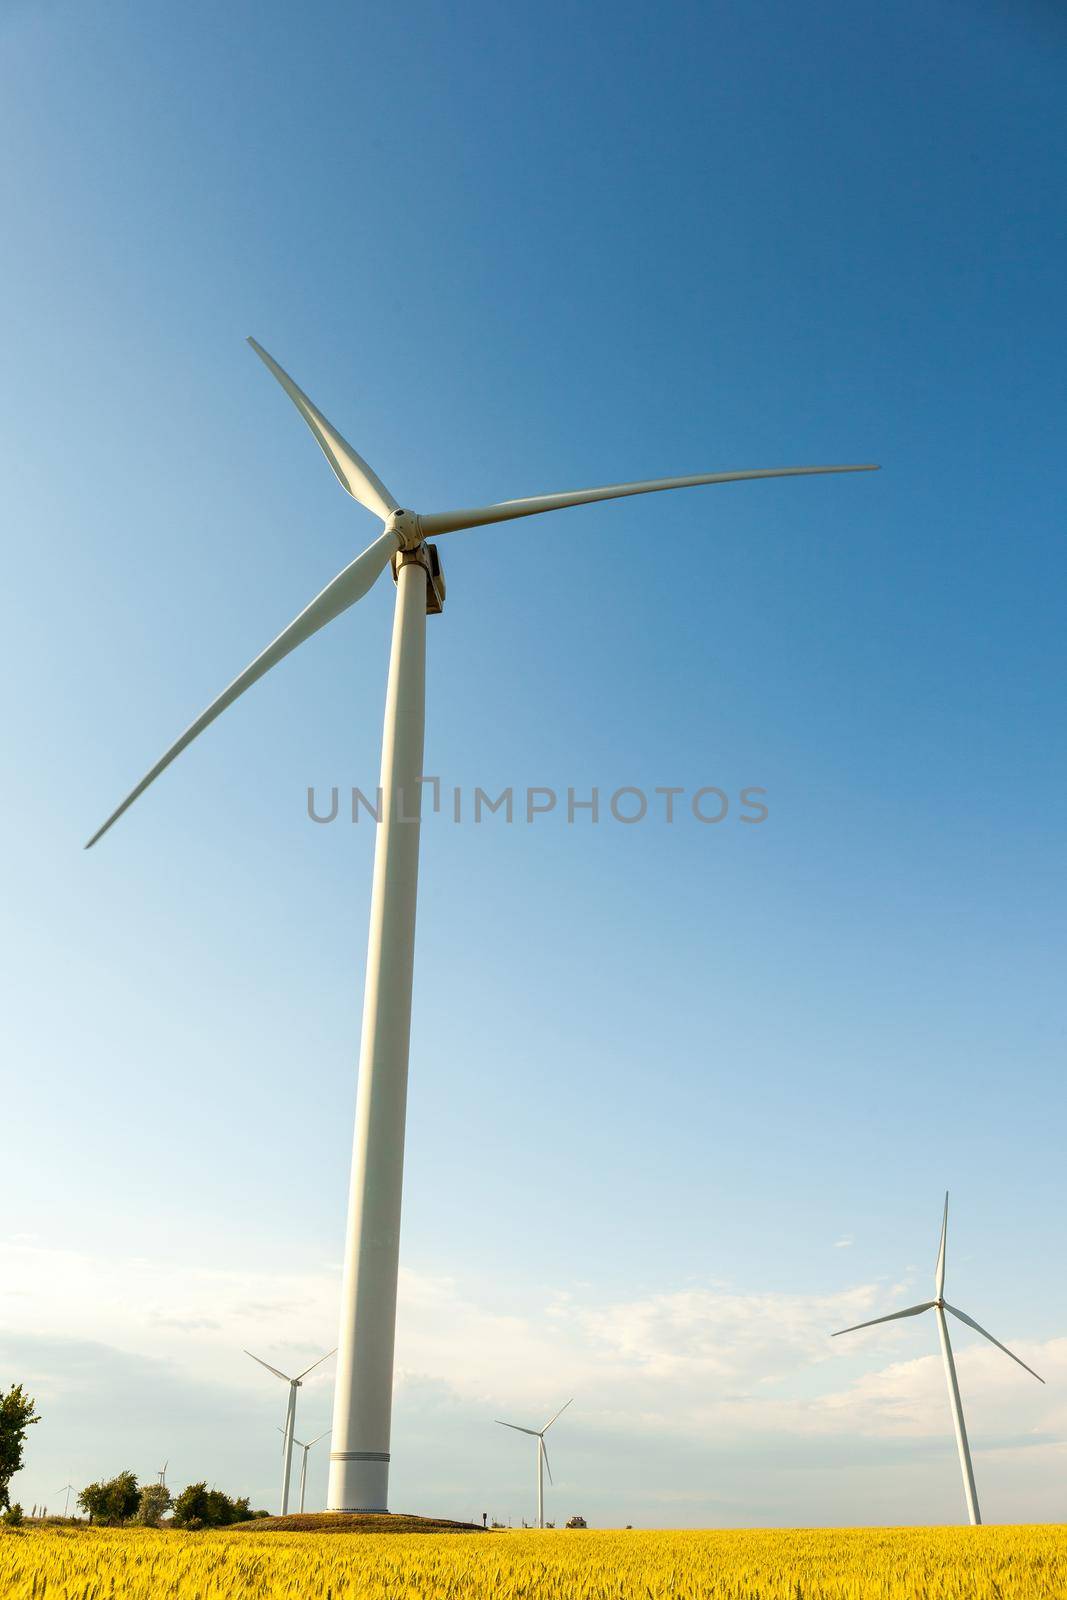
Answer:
(64, 1563)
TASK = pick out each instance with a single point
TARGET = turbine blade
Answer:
(352, 472)
(559, 1413)
(910, 1311)
(453, 521)
(939, 1274)
(319, 1436)
(963, 1317)
(514, 1425)
(285, 1434)
(283, 1376)
(344, 590)
(544, 1453)
(317, 1363)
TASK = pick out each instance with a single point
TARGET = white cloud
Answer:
(907, 1398)
(756, 1377)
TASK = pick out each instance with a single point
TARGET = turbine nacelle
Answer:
(425, 556)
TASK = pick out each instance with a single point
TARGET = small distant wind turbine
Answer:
(162, 1474)
(290, 1414)
(542, 1456)
(939, 1305)
(362, 1414)
(70, 1489)
(304, 1463)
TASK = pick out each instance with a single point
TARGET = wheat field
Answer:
(63, 1563)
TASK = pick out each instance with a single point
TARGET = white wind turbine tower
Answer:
(162, 1474)
(542, 1456)
(359, 1471)
(290, 1415)
(69, 1489)
(939, 1305)
(304, 1462)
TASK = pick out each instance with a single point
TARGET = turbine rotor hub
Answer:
(405, 525)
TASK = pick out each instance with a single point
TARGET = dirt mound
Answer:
(356, 1522)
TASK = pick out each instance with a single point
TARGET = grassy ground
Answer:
(360, 1522)
(852, 1564)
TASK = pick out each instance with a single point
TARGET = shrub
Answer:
(12, 1517)
(155, 1502)
(112, 1502)
(200, 1507)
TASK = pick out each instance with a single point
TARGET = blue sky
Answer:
(659, 1074)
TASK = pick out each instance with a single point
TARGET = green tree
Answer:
(218, 1509)
(190, 1506)
(17, 1413)
(155, 1503)
(200, 1507)
(91, 1500)
(112, 1502)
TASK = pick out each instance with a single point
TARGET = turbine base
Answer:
(359, 1483)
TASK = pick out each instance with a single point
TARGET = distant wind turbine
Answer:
(542, 1456)
(290, 1414)
(939, 1305)
(162, 1474)
(304, 1462)
(70, 1489)
(362, 1414)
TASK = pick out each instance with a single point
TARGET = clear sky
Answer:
(684, 1098)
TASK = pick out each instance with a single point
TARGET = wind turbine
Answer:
(162, 1474)
(70, 1489)
(939, 1305)
(304, 1462)
(359, 1463)
(542, 1456)
(290, 1414)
